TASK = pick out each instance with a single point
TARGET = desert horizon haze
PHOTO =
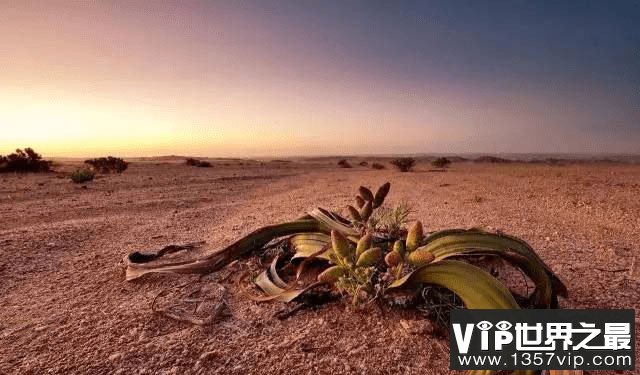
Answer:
(315, 78)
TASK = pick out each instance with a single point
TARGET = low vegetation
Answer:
(391, 220)
(198, 163)
(377, 166)
(344, 164)
(107, 164)
(80, 176)
(441, 162)
(404, 164)
(378, 254)
(491, 159)
(23, 161)
(363, 164)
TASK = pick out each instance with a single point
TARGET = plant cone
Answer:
(420, 258)
(340, 244)
(415, 236)
(366, 211)
(355, 215)
(332, 274)
(366, 194)
(381, 194)
(398, 247)
(359, 201)
(363, 244)
(392, 259)
(369, 257)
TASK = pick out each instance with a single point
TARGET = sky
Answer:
(280, 78)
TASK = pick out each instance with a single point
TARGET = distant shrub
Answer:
(197, 163)
(377, 166)
(344, 164)
(22, 161)
(108, 165)
(192, 162)
(363, 163)
(404, 164)
(82, 175)
(441, 162)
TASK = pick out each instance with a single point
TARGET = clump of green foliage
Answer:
(404, 164)
(441, 162)
(80, 176)
(391, 220)
(344, 164)
(22, 161)
(197, 163)
(107, 164)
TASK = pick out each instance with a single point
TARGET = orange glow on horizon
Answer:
(230, 79)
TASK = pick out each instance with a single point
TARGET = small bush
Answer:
(441, 162)
(198, 163)
(404, 164)
(23, 161)
(377, 166)
(82, 175)
(344, 164)
(364, 163)
(108, 165)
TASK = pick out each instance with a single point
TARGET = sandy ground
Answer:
(65, 307)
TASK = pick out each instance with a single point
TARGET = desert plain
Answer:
(66, 308)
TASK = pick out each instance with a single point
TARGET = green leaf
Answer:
(475, 287)
(460, 242)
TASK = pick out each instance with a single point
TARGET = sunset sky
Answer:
(261, 78)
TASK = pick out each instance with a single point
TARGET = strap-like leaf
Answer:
(272, 291)
(475, 287)
(273, 273)
(457, 242)
(213, 262)
(275, 293)
(333, 221)
(307, 244)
